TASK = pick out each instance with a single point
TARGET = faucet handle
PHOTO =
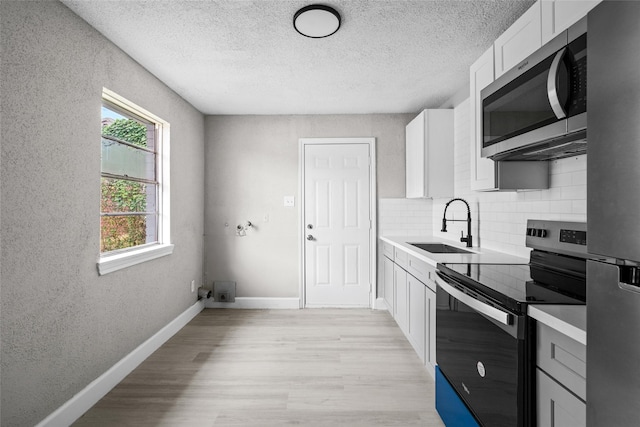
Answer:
(467, 239)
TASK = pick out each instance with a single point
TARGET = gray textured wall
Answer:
(62, 324)
(252, 163)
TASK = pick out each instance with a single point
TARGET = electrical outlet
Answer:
(193, 285)
(289, 201)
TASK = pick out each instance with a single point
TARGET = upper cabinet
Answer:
(558, 15)
(483, 176)
(541, 23)
(519, 41)
(429, 151)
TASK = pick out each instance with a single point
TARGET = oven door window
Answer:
(522, 105)
(482, 362)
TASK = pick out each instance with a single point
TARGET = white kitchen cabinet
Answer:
(520, 40)
(557, 407)
(430, 331)
(487, 175)
(388, 250)
(426, 274)
(401, 258)
(429, 272)
(388, 291)
(481, 74)
(558, 15)
(561, 379)
(544, 20)
(562, 357)
(417, 310)
(401, 299)
(418, 268)
(410, 294)
(429, 155)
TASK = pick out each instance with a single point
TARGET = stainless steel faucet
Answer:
(468, 239)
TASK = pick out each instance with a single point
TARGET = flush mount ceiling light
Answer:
(316, 21)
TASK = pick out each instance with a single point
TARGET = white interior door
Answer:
(337, 224)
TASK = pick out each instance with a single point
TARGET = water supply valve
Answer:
(241, 229)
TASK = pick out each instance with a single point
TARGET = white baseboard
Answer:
(256, 303)
(73, 408)
(380, 304)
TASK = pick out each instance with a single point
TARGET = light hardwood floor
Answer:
(313, 367)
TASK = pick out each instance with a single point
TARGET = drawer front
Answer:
(556, 406)
(563, 358)
(401, 258)
(387, 250)
(422, 271)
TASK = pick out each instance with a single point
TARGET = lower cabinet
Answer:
(561, 377)
(426, 275)
(417, 314)
(388, 291)
(410, 294)
(401, 313)
(557, 406)
(430, 331)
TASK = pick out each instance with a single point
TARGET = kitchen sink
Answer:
(440, 248)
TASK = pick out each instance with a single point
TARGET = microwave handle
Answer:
(552, 85)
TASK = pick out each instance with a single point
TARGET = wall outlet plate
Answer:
(289, 201)
(224, 291)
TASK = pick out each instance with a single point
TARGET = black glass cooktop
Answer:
(516, 285)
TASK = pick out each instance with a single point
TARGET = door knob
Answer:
(310, 237)
(310, 226)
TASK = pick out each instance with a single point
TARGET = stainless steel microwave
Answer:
(538, 109)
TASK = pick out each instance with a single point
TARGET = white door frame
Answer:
(371, 141)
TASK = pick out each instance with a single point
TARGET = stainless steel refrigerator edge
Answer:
(613, 214)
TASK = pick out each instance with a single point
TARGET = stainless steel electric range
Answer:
(485, 341)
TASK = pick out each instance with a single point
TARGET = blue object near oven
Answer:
(451, 408)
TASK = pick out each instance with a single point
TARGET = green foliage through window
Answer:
(119, 232)
(123, 195)
(127, 130)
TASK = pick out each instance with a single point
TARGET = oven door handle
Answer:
(479, 306)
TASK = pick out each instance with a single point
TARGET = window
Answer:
(134, 185)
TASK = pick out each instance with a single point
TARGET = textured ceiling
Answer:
(244, 57)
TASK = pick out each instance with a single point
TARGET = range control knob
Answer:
(536, 232)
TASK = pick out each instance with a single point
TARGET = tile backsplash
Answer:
(405, 217)
(498, 218)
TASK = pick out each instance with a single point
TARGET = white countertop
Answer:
(570, 320)
(478, 255)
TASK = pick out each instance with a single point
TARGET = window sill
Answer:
(110, 263)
